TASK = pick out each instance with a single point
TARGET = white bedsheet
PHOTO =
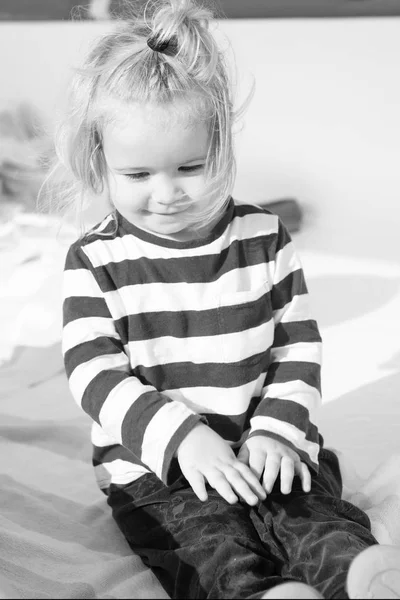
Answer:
(57, 536)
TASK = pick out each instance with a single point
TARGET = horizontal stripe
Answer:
(201, 269)
(80, 282)
(83, 306)
(296, 332)
(230, 428)
(293, 412)
(289, 432)
(298, 309)
(156, 297)
(76, 258)
(119, 472)
(285, 372)
(217, 375)
(219, 348)
(293, 393)
(238, 294)
(302, 351)
(283, 293)
(111, 452)
(119, 403)
(194, 323)
(180, 324)
(140, 414)
(87, 351)
(118, 460)
(240, 346)
(87, 329)
(283, 237)
(84, 374)
(286, 262)
(98, 390)
(232, 402)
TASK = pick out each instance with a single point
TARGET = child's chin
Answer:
(173, 232)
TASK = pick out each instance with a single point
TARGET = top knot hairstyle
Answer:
(168, 46)
(159, 52)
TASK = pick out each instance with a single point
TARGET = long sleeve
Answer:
(131, 413)
(292, 388)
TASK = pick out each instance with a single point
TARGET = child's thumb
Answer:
(244, 454)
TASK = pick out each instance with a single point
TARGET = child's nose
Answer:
(166, 192)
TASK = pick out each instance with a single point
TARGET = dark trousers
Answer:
(216, 550)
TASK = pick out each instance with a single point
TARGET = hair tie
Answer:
(157, 45)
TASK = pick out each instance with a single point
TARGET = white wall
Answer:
(324, 125)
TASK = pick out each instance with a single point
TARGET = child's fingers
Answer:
(257, 462)
(252, 480)
(287, 474)
(305, 476)
(197, 483)
(244, 455)
(219, 482)
(245, 484)
(242, 489)
(271, 470)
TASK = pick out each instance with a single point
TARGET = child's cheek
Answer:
(195, 186)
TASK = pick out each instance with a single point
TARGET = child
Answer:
(188, 337)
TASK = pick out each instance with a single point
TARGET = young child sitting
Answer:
(188, 337)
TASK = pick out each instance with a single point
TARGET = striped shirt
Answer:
(161, 334)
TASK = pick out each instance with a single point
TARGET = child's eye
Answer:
(191, 168)
(136, 176)
(143, 175)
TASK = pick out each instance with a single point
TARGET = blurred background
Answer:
(321, 133)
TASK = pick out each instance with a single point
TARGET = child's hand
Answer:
(204, 456)
(268, 456)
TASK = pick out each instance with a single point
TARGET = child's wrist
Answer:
(192, 434)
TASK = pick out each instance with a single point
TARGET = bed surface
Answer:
(58, 538)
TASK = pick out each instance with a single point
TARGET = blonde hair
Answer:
(123, 67)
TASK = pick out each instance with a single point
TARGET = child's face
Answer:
(155, 163)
